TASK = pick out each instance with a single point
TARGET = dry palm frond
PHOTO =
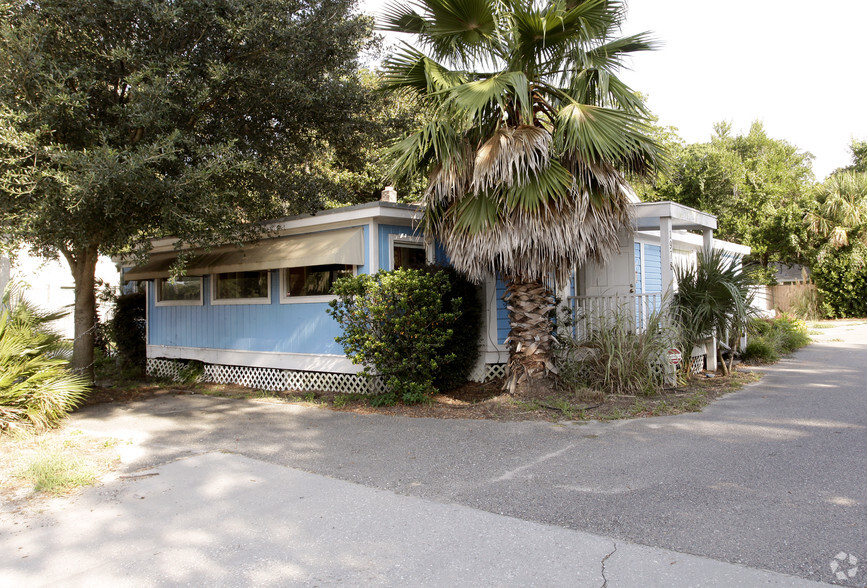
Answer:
(552, 240)
(509, 156)
(838, 238)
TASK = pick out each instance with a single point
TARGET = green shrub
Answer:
(192, 372)
(36, 390)
(760, 350)
(463, 345)
(127, 330)
(616, 359)
(841, 278)
(791, 333)
(396, 324)
(769, 339)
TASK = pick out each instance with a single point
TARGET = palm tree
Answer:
(528, 134)
(841, 216)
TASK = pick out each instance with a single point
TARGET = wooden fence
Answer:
(789, 297)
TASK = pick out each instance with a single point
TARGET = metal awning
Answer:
(340, 246)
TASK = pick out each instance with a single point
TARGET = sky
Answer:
(798, 67)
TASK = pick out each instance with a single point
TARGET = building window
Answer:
(242, 287)
(180, 291)
(409, 255)
(313, 280)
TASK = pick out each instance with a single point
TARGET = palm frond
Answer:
(544, 186)
(598, 139)
(402, 17)
(474, 213)
(507, 90)
(410, 68)
(611, 54)
(510, 156)
(36, 390)
(458, 31)
(550, 240)
(543, 36)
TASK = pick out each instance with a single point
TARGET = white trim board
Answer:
(323, 221)
(311, 362)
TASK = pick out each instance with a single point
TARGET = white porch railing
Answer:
(589, 313)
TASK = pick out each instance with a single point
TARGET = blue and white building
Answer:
(256, 315)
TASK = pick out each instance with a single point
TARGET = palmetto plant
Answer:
(36, 390)
(713, 298)
(528, 132)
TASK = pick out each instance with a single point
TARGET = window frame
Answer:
(238, 301)
(414, 241)
(159, 302)
(286, 299)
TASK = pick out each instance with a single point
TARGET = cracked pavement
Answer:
(765, 486)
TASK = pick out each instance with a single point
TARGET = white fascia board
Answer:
(647, 215)
(310, 362)
(381, 212)
(350, 216)
(692, 241)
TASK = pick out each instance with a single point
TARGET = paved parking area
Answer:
(771, 478)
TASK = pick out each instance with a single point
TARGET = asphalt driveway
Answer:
(773, 477)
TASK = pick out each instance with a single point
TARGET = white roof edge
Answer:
(683, 216)
(696, 242)
(323, 220)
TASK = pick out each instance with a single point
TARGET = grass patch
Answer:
(57, 471)
(56, 462)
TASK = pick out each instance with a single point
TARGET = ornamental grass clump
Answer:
(396, 325)
(617, 357)
(36, 389)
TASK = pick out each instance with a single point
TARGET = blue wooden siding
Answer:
(638, 289)
(440, 255)
(286, 328)
(502, 312)
(652, 268)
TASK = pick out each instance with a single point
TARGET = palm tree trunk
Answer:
(530, 341)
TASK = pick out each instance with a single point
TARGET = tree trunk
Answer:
(722, 361)
(530, 341)
(83, 266)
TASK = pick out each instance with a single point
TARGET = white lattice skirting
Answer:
(277, 380)
(494, 370)
(271, 379)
